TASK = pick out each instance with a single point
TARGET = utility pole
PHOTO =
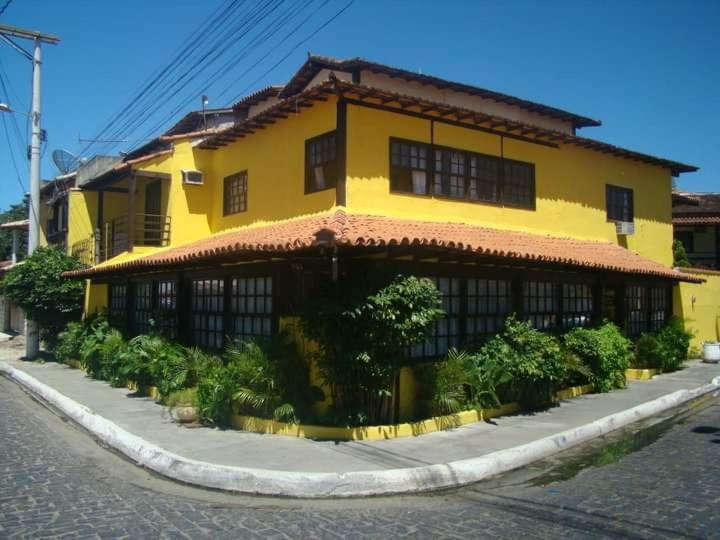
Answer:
(32, 335)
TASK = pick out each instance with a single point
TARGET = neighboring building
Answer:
(696, 223)
(354, 166)
(12, 318)
(54, 209)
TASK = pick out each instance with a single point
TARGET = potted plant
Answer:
(183, 405)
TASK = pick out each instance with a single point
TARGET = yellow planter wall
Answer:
(699, 306)
(570, 184)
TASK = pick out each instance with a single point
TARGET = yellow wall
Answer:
(275, 160)
(699, 306)
(96, 296)
(82, 215)
(570, 184)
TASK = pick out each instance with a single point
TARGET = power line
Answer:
(221, 13)
(7, 5)
(267, 33)
(204, 59)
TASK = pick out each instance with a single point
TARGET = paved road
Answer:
(55, 481)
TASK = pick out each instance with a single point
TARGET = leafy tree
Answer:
(16, 212)
(680, 257)
(40, 289)
(364, 338)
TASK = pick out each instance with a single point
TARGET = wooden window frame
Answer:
(235, 314)
(570, 294)
(202, 335)
(494, 316)
(533, 315)
(241, 178)
(431, 171)
(610, 198)
(331, 167)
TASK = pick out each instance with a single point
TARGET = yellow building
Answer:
(225, 228)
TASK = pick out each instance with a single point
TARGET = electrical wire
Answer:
(4, 8)
(214, 19)
(242, 27)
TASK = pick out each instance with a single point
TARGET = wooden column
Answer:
(341, 141)
(131, 212)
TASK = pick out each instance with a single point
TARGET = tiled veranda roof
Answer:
(343, 229)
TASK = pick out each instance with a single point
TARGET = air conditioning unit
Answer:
(625, 228)
(192, 177)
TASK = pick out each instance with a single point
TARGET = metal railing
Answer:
(114, 237)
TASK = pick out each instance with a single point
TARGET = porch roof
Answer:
(343, 230)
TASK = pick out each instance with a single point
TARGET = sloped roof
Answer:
(430, 109)
(315, 63)
(346, 230)
(697, 206)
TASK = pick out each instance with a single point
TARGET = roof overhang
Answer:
(354, 233)
(439, 112)
(314, 64)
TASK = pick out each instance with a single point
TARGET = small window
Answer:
(321, 171)
(518, 183)
(143, 307)
(488, 305)
(235, 193)
(408, 167)
(167, 308)
(117, 308)
(251, 305)
(445, 333)
(636, 306)
(484, 178)
(539, 304)
(577, 305)
(207, 308)
(658, 307)
(619, 201)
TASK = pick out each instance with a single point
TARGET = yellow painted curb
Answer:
(396, 431)
(640, 374)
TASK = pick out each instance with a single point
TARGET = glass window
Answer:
(484, 179)
(577, 305)
(422, 168)
(636, 305)
(117, 309)
(445, 334)
(143, 307)
(321, 162)
(207, 307)
(235, 193)
(167, 308)
(488, 305)
(658, 307)
(518, 183)
(619, 203)
(408, 167)
(539, 304)
(251, 306)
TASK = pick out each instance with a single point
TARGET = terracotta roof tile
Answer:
(358, 230)
(698, 220)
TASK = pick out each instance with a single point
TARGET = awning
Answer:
(343, 230)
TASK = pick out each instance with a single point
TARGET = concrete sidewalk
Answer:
(151, 422)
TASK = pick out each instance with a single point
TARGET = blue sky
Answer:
(650, 70)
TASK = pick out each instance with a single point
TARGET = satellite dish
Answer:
(65, 161)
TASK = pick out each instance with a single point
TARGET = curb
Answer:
(339, 485)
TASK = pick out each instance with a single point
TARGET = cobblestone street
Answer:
(56, 482)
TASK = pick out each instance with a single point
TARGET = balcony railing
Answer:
(115, 236)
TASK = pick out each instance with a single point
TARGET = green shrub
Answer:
(605, 350)
(112, 355)
(39, 288)
(91, 359)
(216, 391)
(152, 359)
(666, 350)
(364, 330)
(187, 397)
(535, 362)
(461, 382)
(674, 342)
(264, 378)
(680, 257)
(647, 352)
(69, 342)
